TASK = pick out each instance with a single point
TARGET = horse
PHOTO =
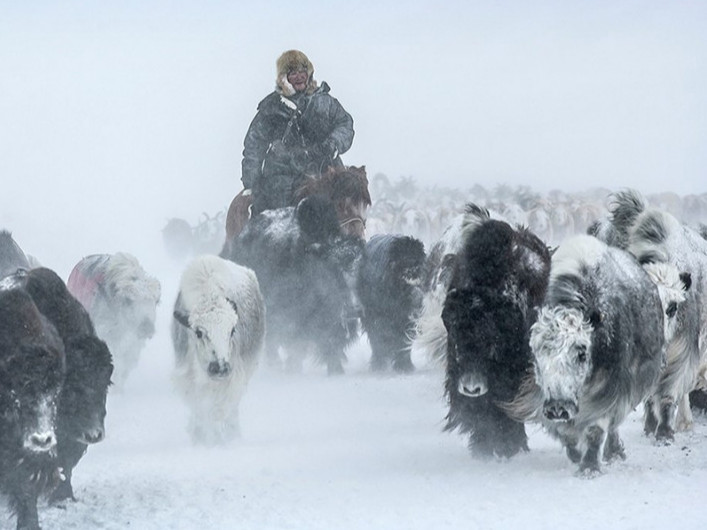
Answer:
(346, 187)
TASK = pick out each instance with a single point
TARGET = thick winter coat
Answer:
(306, 268)
(499, 280)
(82, 402)
(598, 346)
(121, 299)
(389, 290)
(290, 137)
(656, 238)
(217, 333)
(31, 376)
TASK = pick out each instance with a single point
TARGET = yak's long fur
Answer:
(121, 299)
(32, 369)
(598, 346)
(217, 333)
(499, 279)
(389, 291)
(655, 236)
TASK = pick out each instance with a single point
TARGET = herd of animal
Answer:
(572, 337)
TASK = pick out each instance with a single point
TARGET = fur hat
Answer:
(294, 60)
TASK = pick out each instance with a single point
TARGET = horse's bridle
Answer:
(356, 219)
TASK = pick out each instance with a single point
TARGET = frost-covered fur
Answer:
(655, 236)
(499, 280)
(430, 337)
(122, 301)
(598, 346)
(217, 333)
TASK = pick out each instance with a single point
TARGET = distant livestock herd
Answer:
(572, 337)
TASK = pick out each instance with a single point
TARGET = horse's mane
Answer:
(337, 184)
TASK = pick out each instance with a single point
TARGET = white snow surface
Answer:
(353, 452)
(358, 451)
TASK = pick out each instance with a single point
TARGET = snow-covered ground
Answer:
(360, 451)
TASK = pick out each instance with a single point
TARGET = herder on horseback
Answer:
(298, 130)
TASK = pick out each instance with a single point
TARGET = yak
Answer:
(499, 279)
(82, 401)
(655, 237)
(388, 288)
(217, 333)
(32, 367)
(11, 255)
(598, 346)
(306, 267)
(121, 299)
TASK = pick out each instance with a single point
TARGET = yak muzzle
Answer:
(219, 370)
(146, 329)
(559, 410)
(472, 385)
(41, 442)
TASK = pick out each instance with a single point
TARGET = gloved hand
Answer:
(326, 149)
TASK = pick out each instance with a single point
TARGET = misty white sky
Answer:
(115, 112)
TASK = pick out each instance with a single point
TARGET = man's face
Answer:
(298, 79)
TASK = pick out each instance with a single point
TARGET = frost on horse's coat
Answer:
(217, 333)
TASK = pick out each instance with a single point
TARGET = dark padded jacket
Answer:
(289, 138)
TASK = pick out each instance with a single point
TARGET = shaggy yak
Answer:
(82, 402)
(306, 268)
(11, 255)
(598, 345)
(121, 299)
(388, 288)
(499, 279)
(31, 376)
(657, 239)
(217, 333)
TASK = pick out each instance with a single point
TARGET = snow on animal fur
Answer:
(598, 347)
(430, 337)
(122, 301)
(656, 238)
(217, 333)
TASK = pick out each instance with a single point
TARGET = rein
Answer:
(355, 219)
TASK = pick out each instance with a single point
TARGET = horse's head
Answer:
(347, 188)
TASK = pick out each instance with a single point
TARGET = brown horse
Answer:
(346, 187)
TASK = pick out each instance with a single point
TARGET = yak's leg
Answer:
(665, 431)
(379, 353)
(401, 360)
(272, 353)
(614, 448)
(594, 437)
(510, 434)
(25, 506)
(650, 420)
(684, 420)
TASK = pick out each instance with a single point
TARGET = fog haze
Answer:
(126, 114)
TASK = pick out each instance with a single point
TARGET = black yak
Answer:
(31, 376)
(598, 345)
(499, 278)
(389, 290)
(82, 402)
(306, 268)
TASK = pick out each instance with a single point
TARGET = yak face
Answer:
(138, 315)
(82, 404)
(214, 329)
(672, 289)
(407, 261)
(561, 342)
(485, 353)
(30, 382)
